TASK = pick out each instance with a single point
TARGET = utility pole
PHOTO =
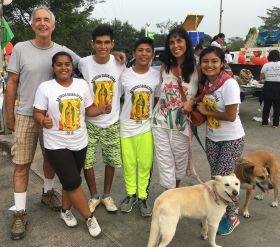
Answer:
(221, 13)
(147, 24)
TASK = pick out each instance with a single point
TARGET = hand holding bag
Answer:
(196, 117)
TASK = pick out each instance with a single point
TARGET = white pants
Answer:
(171, 149)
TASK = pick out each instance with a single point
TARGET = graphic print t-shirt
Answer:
(66, 106)
(138, 104)
(168, 111)
(271, 71)
(104, 85)
(219, 130)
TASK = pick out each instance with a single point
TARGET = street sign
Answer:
(151, 35)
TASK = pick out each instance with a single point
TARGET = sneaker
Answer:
(51, 199)
(145, 208)
(19, 225)
(128, 203)
(68, 218)
(227, 225)
(93, 203)
(93, 227)
(109, 204)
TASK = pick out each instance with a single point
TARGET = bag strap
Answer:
(175, 71)
(195, 133)
(219, 81)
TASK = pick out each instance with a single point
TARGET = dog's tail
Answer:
(154, 232)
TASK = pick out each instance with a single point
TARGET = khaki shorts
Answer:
(27, 133)
(109, 139)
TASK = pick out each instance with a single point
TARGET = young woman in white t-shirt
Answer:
(60, 107)
(270, 72)
(225, 134)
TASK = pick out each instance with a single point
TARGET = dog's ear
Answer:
(243, 162)
(218, 178)
(249, 169)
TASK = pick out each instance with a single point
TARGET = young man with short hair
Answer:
(103, 72)
(139, 84)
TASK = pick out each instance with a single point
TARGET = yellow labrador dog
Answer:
(199, 202)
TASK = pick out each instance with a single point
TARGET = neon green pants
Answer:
(137, 153)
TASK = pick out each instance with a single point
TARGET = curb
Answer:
(6, 146)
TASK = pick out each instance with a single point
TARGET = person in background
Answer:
(224, 131)
(60, 107)
(270, 73)
(139, 84)
(228, 61)
(169, 122)
(218, 40)
(228, 57)
(102, 71)
(197, 50)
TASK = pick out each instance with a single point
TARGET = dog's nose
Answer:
(235, 193)
(270, 186)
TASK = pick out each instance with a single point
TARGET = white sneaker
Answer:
(93, 227)
(109, 204)
(93, 203)
(68, 218)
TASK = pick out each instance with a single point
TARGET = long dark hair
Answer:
(219, 53)
(187, 67)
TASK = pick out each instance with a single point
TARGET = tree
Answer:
(159, 40)
(165, 27)
(272, 21)
(71, 16)
(235, 43)
(125, 36)
(207, 39)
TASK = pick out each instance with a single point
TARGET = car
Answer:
(157, 61)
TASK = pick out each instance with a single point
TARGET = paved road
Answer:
(46, 229)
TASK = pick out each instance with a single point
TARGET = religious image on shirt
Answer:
(70, 114)
(140, 105)
(103, 91)
(212, 105)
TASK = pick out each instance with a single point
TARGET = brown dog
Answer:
(259, 168)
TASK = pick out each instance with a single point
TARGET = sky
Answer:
(238, 15)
